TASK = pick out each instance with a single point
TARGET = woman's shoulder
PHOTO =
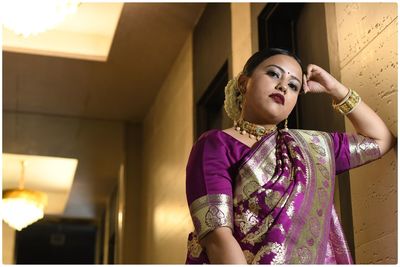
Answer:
(209, 144)
(211, 135)
(219, 137)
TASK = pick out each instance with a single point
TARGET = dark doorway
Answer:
(210, 107)
(57, 241)
(277, 25)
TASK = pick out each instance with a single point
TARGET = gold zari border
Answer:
(362, 150)
(211, 211)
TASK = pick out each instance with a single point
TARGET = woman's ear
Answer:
(242, 83)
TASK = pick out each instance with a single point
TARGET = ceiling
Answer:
(85, 34)
(146, 42)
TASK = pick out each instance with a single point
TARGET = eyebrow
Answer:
(279, 67)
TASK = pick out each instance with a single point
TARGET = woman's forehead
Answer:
(288, 63)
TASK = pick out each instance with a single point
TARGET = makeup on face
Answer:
(296, 85)
(278, 98)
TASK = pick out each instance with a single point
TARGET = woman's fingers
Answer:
(310, 69)
(305, 85)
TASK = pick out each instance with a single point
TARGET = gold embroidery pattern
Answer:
(304, 255)
(272, 198)
(249, 188)
(323, 198)
(290, 210)
(362, 150)
(320, 153)
(253, 205)
(319, 149)
(276, 248)
(306, 248)
(311, 133)
(258, 235)
(245, 221)
(257, 172)
(194, 247)
(285, 181)
(314, 226)
(215, 217)
(324, 171)
(211, 211)
(337, 238)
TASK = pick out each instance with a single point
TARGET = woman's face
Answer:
(271, 91)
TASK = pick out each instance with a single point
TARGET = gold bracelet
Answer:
(335, 106)
(348, 104)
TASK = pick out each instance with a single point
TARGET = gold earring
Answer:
(286, 122)
(240, 101)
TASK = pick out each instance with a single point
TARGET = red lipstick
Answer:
(278, 98)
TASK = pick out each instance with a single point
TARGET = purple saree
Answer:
(276, 197)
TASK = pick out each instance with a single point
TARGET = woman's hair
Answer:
(262, 55)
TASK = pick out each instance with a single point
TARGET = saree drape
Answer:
(277, 197)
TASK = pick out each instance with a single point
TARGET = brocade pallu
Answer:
(282, 208)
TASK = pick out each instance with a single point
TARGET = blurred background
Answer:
(102, 103)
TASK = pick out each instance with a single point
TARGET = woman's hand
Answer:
(318, 80)
(364, 119)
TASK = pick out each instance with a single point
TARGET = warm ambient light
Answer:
(26, 17)
(22, 207)
(52, 175)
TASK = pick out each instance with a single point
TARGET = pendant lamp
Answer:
(22, 207)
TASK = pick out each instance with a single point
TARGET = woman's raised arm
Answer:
(365, 121)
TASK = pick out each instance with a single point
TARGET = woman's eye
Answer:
(273, 74)
(293, 86)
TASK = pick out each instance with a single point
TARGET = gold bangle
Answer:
(343, 100)
(348, 104)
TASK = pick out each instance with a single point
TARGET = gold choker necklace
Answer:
(254, 130)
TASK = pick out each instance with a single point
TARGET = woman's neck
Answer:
(255, 131)
(258, 122)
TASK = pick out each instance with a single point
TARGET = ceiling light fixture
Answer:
(27, 17)
(22, 207)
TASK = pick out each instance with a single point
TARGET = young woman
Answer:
(259, 194)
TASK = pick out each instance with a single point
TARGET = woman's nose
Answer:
(281, 87)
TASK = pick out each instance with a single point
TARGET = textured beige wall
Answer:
(241, 35)
(367, 34)
(8, 244)
(167, 141)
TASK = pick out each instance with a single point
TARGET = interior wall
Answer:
(255, 9)
(211, 49)
(367, 39)
(8, 244)
(98, 144)
(133, 195)
(241, 35)
(167, 141)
